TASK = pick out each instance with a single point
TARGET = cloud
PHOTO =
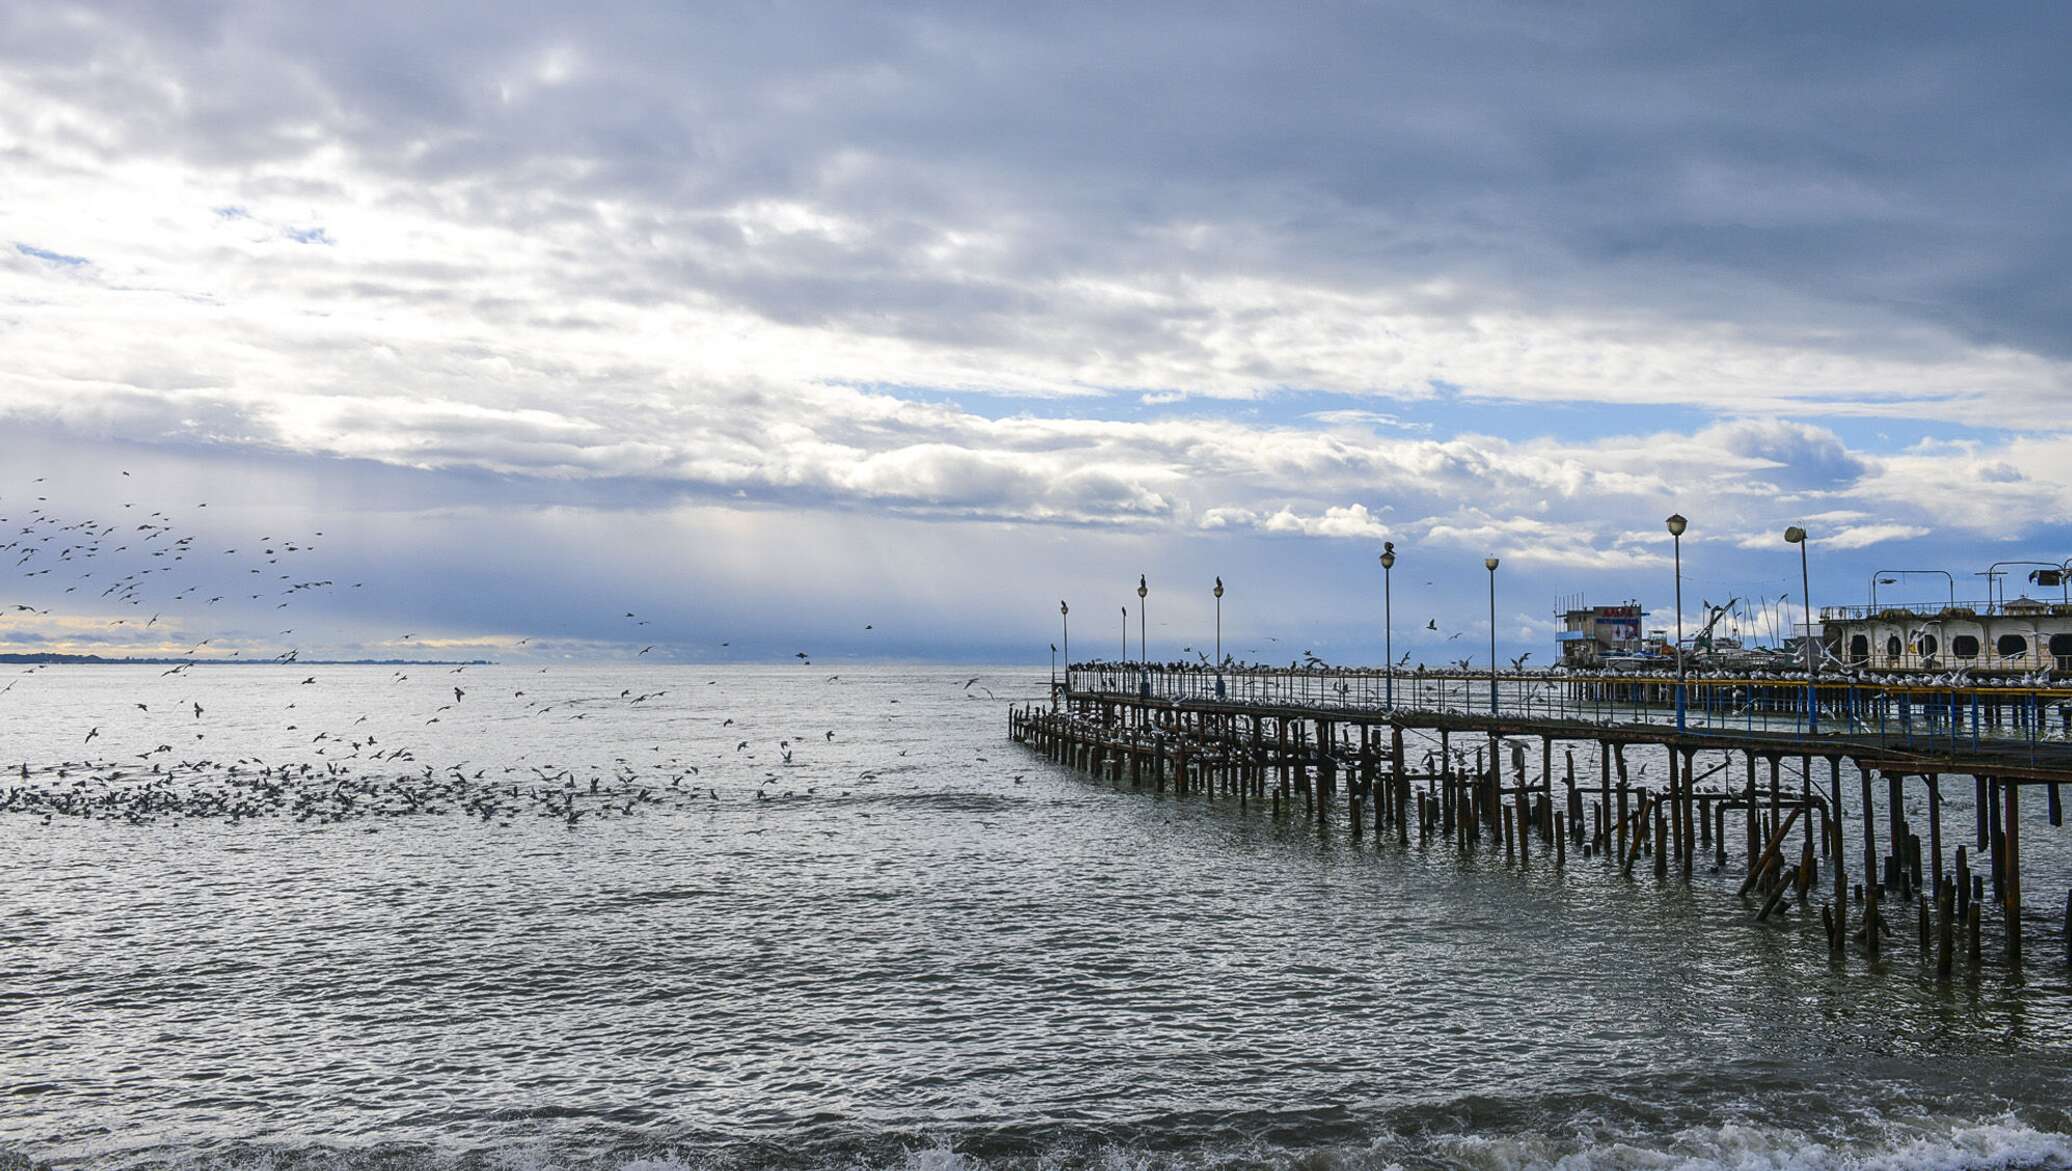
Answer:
(868, 204)
(1473, 281)
(1340, 522)
(1379, 420)
(1864, 536)
(1794, 454)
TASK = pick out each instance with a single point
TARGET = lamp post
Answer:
(1489, 563)
(1388, 621)
(1065, 621)
(1797, 536)
(1879, 578)
(1219, 637)
(1993, 575)
(1143, 650)
(1677, 524)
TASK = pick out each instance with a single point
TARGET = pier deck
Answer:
(1426, 750)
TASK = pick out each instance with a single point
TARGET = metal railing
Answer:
(1962, 611)
(1920, 714)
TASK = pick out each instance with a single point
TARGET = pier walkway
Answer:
(1425, 752)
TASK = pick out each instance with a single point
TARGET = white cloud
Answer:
(855, 277)
(1864, 536)
(1343, 522)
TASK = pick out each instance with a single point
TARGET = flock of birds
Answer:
(358, 756)
(345, 773)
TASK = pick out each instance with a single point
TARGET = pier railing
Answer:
(1924, 715)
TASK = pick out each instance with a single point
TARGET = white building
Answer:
(2018, 637)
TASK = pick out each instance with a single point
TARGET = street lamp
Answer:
(1143, 648)
(1388, 620)
(1677, 524)
(1879, 578)
(1489, 563)
(1797, 536)
(1065, 621)
(1219, 637)
(1993, 575)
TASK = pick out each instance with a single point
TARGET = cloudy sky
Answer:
(768, 322)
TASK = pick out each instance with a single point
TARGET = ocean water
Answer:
(910, 944)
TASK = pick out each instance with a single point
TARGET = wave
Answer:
(2003, 1143)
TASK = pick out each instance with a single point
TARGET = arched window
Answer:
(1928, 644)
(1892, 647)
(2061, 650)
(1964, 646)
(2012, 646)
(1859, 648)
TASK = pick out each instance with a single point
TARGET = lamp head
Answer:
(1063, 608)
(1142, 589)
(1219, 587)
(1388, 554)
(1677, 524)
(1795, 535)
(1489, 563)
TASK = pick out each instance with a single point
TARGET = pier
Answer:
(1760, 782)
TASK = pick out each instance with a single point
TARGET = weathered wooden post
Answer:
(1870, 830)
(2011, 880)
(1935, 827)
(1945, 932)
(1401, 778)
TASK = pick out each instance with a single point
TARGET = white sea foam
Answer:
(2003, 1143)
(1998, 1144)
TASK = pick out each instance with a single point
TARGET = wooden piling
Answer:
(1945, 908)
(1769, 852)
(2011, 879)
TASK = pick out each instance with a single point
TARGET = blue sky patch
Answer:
(46, 254)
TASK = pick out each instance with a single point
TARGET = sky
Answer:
(874, 332)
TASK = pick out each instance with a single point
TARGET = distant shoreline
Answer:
(51, 659)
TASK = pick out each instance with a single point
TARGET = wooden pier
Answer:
(1556, 773)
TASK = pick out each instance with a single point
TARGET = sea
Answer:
(615, 917)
